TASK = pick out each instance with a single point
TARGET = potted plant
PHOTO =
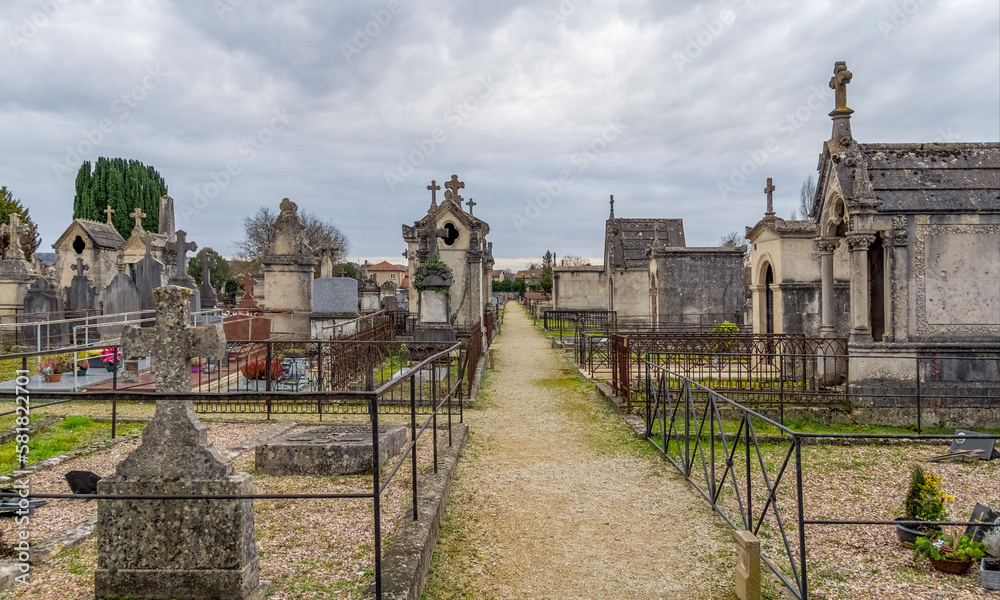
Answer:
(924, 502)
(989, 567)
(949, 551)
(81, 368)
(257, 373)
(50, 369)
(110, 357)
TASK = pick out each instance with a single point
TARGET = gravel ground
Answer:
(554, 497)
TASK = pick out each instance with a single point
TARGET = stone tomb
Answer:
(338, 449)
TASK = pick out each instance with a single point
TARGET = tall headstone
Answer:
(370, 294)
(433, 316)
(149, 275)
(288, 273)
(208, 297)
(335, 295)
(190, 549)
(81, 295)
(180, 248)
(121, 295)
(247, 303)
(44, 301)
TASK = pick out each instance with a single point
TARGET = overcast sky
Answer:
(543, 108)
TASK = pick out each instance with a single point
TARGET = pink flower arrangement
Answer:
(111, 355)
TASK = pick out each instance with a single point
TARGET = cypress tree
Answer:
(125, 185)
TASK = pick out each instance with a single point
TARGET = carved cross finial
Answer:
(612, 206)
(841, 77)
(138, 215)
(770, 202)
(434, 187)
(453, 186)
(109, 211)
(181, 247)
(79, 267)
(470, 204)
(15, 229)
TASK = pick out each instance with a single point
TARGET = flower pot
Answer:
(952, 567)
(110, 367)
(908, 530)
(54, 377)
(990, 578)
(81, 372)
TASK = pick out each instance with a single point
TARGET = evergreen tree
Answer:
(122, 184)
(545, 282)
(219, 274)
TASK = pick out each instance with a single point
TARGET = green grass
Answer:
(70, 434)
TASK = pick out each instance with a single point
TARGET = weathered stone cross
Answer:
(470, 204)
(841, 77)
(109, 211)
(453, 186)
(15, 228)
(138, 215)
(770, 202)
(434, 187)
(247, 281)
(181, 247)
(172, 342)
(207, 264)
(612, 206)
(79, 267)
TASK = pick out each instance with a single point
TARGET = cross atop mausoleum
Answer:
(138, 215)
(841, 77)
(612, 207)
(434, 187)
(770, 202)
(15, 229)
(470, 204)
(108, 211)
(453, 186)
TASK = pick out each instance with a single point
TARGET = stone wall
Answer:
(630, 292)
(580, 288)
(698, 286)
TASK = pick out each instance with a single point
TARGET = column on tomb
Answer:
(825, 248)
(858, 244)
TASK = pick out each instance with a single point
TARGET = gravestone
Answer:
(370, 294)
(433, 320)
(180, 248)
(245, 328)
(335, 295)
(208, 297)
(81, 295)
(44, 300)
(121, 295)
(390, 304)
(338, 449)
(987, 516)
(166, 216)
(148, 276)
(247, 303)
(191, 549)
(983, 445)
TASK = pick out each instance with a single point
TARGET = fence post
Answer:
(413, 437)
(803, 585)
(781, 387)
(319, 377)
(376, 494)
(749, 524)
(434, 413)
(919, 391)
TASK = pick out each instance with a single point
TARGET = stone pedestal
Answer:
(330, 450)
(747, 566)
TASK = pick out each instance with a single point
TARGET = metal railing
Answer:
(685, 421)
(439, 396)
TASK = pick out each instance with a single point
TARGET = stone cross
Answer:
(434, 187)
(612, 206)
(470, 204)
(172, 342)
(15, 228)
(109, 211)
(207, 264)
(181, 247)
(770, 202)
(453, 186)
(138, 215)
(79, 267)
(841, 77)
(247, 281)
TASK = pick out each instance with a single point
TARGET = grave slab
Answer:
(338, 449)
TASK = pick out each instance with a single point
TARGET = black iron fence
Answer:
(715, 443)
(439, 399)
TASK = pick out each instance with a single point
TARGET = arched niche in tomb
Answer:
(79, 245)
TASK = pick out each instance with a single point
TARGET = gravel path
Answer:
(555, 498)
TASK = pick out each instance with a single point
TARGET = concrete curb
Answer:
(407, 559)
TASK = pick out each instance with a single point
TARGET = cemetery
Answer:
(790, 410)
